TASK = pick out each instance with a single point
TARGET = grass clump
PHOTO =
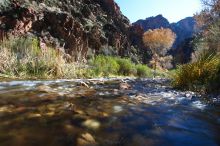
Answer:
(201, 75)
(23, 58)
(115, 66)
(104, 65)
(143, 71)
(126, 67)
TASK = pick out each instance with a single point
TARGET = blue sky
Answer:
(173, 10)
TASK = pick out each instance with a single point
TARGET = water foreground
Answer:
(105, 112)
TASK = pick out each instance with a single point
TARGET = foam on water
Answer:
(117, 109)
(199, 105)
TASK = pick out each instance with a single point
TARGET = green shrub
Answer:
(107, 65)
(104, 65)
(214, 84)
(143, 71)
(126, 67)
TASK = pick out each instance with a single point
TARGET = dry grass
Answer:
(199, 75)
(22, 57)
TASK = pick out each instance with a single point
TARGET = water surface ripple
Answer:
(106, 112)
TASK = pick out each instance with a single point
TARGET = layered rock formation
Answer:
(76, 27)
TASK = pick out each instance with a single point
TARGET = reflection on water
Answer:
(101, 113)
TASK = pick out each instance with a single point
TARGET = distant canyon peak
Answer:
(184, 28)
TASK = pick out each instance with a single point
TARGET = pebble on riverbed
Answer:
(86, 139)
(91, 124)
(44, 88)
(84, 84)
(6, 109)
(34, 115)
(124, 86)
(117, 109)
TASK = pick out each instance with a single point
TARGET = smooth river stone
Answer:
(91, 124)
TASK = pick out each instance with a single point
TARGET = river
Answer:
(106, 112)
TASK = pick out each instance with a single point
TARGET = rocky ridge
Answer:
(79, 28)
(184, 29)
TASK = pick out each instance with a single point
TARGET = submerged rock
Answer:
(50, 114)
(141, 141)
(117, 109)
(45, 88)
(70, 129)
(84, 84)
(91, 124)
(86, 139)
(6, 109)
(124, 86)
(34, 115)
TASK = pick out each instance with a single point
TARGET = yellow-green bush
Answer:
(143, 71)
(104, 65)
(198, 75)
(107, 65)
(126, 67)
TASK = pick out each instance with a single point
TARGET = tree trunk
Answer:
(155, 64)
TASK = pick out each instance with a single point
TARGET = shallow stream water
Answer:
(105, 112)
